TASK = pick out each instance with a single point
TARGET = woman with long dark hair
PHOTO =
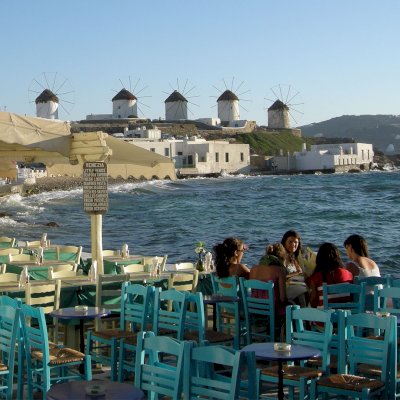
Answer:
(228, 257)
(329, 269)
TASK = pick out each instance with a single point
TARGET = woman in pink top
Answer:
(329, 269)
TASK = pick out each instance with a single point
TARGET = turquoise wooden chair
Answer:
(169, 321)
(371, 282)
(228, 314)
(203, 380)
(195, 327)
(104, 345)
(369, 361)
(344, 296)
(19, 348)
(46, 362)
(299, 331)
(160, 365)
(259, 312)
(138, 301)
(9, 333)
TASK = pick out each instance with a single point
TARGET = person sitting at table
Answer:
(272, 268)
(228, 256)
(360, 264)
(296, 288)
(329, 269)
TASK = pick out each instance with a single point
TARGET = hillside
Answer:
(380, 130)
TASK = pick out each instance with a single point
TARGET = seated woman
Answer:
(271, 268)
(228, 257)
(360, 264)
(329, 269)
(296, 288)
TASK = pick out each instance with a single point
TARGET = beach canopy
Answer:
(40, 140)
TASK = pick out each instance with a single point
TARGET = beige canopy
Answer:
(31, 139)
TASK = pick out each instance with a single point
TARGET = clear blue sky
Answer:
(341, 56)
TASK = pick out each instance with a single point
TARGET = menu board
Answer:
(95, 187)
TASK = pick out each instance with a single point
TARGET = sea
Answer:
(171, 217)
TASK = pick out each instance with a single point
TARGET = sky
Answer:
(325, 58)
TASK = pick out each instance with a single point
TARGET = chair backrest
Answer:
(371, 282)
(184, 265)
(3, 268)
(204, 381)
(33, 243)
(132, 268)
(9, 240)
(344, 296)
(46, 296)
(387, 300)
(364, 350)
(110, 253)
(169, 321)
(34, 330)
(109, 290)
(21, 257)
(184, 281)
(159, 366)
(225, 286)
(9, 334)
(10, 250)
(69, 253)
(258, 303)
(136, 303)
(9, 277)
(68, 271)
(299, 330)
(195, 321)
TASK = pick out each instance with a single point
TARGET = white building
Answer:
(228, 107)
(47, 105)
(197, 156)
(176, 107)
(124, 105)
(328, 157)
(142, 132)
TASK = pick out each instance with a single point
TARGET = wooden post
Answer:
(97, 240)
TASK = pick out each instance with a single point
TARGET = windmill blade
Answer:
(64, 93)
(140, 91)
(54, 81)
(247, 91)
(45, 78)
(59, 88)
(240, 85)
(290, 100)
(64, 108)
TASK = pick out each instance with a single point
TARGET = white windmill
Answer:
(49, 91)
(176, 104)
(286, 108)
(229, 102)
(126, 103)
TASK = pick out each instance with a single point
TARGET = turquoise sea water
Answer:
(162, 217)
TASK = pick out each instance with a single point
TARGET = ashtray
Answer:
(81, 308)
(282, 346)
(383, 314)
(95, 389)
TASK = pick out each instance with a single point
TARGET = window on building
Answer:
(362, 155)
(226, 157)
(153, 149)
(190, 160)
(241, 157)
(216, 157)
(180, 153)
(166, 152)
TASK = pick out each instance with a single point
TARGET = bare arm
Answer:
(313, 295)
(352, 268)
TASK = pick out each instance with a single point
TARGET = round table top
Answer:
(266, 351)
(218, 298)
(76, 390)
(72, 312)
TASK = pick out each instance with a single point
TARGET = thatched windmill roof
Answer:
(227, 96)
(45, 96)
(278, 105)
(175, 96)
(124, 94)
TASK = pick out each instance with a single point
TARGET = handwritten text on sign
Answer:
(95, 187)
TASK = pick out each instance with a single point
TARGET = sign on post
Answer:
(95, 187)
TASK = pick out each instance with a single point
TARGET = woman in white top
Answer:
(360, 264)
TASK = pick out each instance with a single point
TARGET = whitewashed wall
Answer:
(228, 110)
(176, 110)
(124, 108)
(47, 110)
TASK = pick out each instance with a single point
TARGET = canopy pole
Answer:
(97, 240)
